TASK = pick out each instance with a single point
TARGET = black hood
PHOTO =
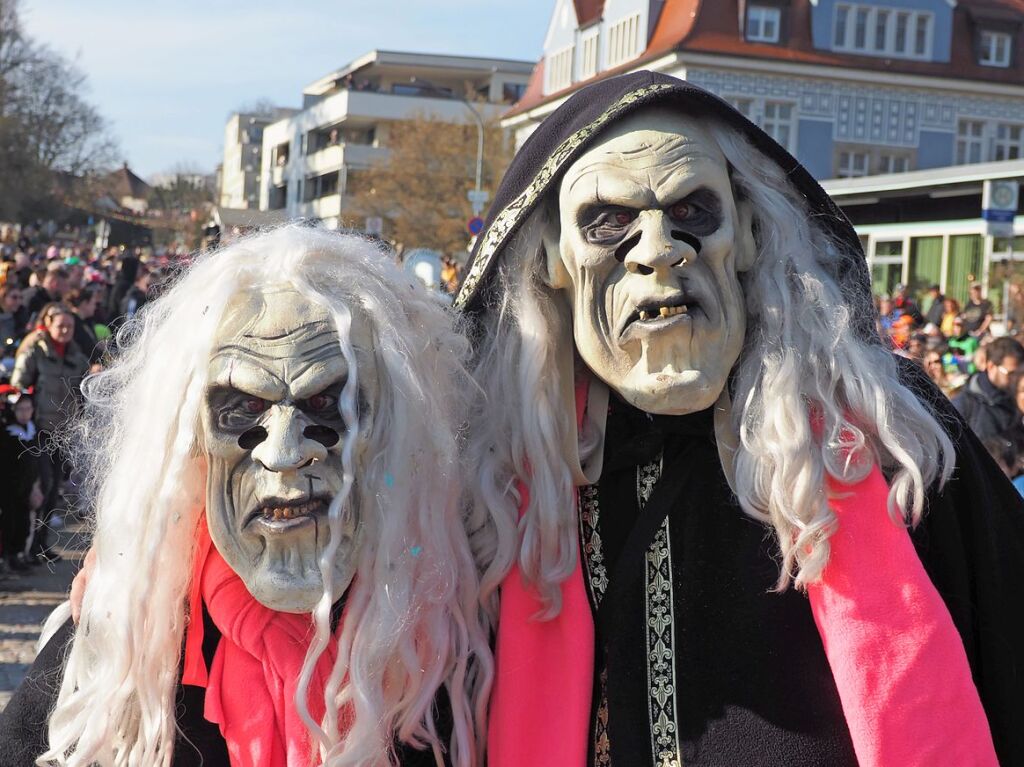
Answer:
(576, 125)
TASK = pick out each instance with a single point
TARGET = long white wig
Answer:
(412, 623)
(811, 395)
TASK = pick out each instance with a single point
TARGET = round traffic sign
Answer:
(475, 225)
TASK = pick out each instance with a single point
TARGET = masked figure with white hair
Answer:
(282, 577)
(730, 527)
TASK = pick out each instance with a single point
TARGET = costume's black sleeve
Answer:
(971, 542)
(23, 730)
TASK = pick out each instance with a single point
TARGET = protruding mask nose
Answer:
(658, 246)
(285, 447)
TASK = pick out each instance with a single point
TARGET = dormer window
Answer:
(877, 31)
(763, 23)
(994, 48)
(625, 41)
(558, 70)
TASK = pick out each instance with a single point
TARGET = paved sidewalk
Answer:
(25, 601)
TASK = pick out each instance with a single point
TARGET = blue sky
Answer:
(166, 75)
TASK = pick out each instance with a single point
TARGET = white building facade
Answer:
(239, 183)
(313, 159)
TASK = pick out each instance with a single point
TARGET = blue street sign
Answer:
(475, 225)
(999, 206)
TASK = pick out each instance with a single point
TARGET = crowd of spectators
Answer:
(981, 372)
(61, 301)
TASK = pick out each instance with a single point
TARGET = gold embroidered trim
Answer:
(513, 214)
(593, 552)
(602, 745)
(661, 667)
(597, 584)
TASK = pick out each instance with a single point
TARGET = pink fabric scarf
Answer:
(897, 659)
(252, 683)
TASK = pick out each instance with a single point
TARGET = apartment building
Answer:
(312, 159)
(239, 183)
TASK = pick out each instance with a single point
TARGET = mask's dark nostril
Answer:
(623, 250)
(325, 435)
(252, 437)
(688, 238)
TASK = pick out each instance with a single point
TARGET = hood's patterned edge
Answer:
(510, 218)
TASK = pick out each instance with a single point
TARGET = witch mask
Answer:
(650, 245)
(273, 437)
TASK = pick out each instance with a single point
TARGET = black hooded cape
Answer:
(751, 684)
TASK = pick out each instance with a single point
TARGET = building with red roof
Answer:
(851, 87)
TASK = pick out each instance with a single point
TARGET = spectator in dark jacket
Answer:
(937, 307)
(987, 403)
(84, 302)
(122, 284)
(137, 296)
(22, 493)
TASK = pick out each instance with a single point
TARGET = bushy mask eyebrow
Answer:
(703, 196)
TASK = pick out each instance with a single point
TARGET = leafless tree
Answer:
(48, 130)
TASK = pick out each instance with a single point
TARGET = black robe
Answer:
(697, 655)
(23, 723)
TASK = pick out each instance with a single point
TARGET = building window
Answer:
(875, 31)
(624, 40)
(881, 29)
(852, 161)
(842, 17)
(886, 267)
(970, 142)
(893, 163)
(763, 24)
(994, 49)
(558, 71)
(742, 105)
(902, 23)
(921, 35)
(853, 164)
(278, 196)
(860, 28)
(1008, 142)
(778, 121)
(320, 186)
(588, 56)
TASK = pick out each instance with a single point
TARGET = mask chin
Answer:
(670, 393)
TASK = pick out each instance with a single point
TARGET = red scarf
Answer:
(897, 659)
(251, 686)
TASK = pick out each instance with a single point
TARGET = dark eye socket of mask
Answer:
(698, 213)
(323, 406)
(607, 225)
(236, 410)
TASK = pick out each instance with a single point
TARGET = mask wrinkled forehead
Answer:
(270, 314)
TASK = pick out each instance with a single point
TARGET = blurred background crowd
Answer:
(975, 362)
(61, 301)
